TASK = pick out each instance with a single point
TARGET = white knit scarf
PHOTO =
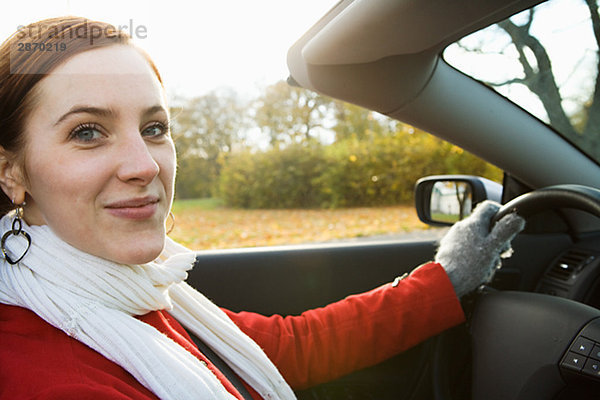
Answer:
(94, 301)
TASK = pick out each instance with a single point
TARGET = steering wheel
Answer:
(530, 346)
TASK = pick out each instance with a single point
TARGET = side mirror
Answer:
(442, 200)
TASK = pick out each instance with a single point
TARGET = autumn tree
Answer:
(288, 114)
(352, 121)
(205, 130)
(369, 159)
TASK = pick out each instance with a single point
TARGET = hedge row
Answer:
(370, 172)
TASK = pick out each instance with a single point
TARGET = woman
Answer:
(91, 288)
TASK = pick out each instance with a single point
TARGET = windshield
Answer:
(546, 61)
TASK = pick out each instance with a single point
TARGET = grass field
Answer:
(205, 224)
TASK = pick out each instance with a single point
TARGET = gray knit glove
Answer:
(470, 253)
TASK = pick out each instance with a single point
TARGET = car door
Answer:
(288, 280)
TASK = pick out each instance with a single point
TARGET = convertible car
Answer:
(516, 83)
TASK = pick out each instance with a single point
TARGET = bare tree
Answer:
(538, 76)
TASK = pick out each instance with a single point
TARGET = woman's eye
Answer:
(86, 133)
(155, 130)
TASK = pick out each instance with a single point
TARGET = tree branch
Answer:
(542, 81)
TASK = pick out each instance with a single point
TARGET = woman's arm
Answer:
(359, 331)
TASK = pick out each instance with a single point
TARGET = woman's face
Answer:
(99, 158)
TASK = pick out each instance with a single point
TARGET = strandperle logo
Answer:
(86, 30)
(33, 40)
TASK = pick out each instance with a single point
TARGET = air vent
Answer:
(570, 264)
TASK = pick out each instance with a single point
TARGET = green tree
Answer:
(277, 178)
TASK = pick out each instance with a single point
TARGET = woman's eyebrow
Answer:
(105, 112)
(101, 112)
(153, 110)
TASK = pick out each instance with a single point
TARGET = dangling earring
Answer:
(172, 222)
(17, 230)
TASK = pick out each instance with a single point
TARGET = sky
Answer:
(199, 45)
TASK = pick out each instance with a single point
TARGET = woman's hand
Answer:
(470, 253)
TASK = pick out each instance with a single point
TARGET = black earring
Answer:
(17, 230)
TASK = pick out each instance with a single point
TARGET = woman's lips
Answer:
(136, 208)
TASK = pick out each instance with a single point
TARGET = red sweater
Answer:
(38, 361)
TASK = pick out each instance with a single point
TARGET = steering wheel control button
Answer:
(582, 346)
(573, 361)
(595, 352)
(592, 367)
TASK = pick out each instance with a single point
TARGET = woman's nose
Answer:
(137, 164)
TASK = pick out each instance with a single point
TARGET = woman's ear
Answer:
(12, 179)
